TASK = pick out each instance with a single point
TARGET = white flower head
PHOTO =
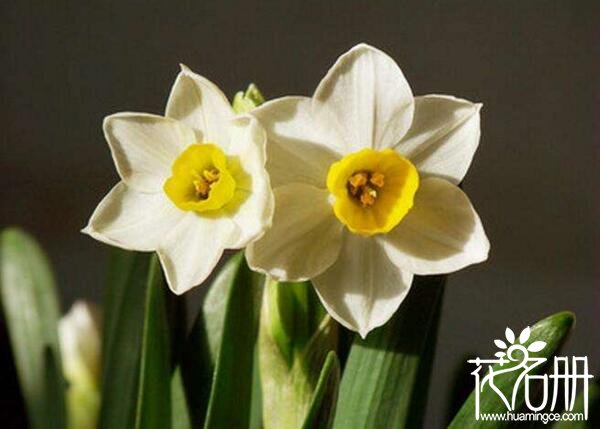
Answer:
(193, 182)
(365, 180)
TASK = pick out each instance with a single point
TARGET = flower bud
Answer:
(243, 102)
(79, 336)
(295, 336)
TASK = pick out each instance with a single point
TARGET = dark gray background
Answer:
(534, 181)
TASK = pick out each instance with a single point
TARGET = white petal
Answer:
(133, 220)
(369, 97)
(301, 147)
(192, 250)
(144, 147)
(363, 288)
(443, 137)
(202, 106)
(305, 238)
(253, 205)
(442, 233)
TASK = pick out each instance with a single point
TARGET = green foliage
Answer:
(385, 379)
(261, 353)
(553, 331)
(593, 405)
(322, 407)
(232, 381)
(124, 311)
(180, 415)
(294, 341)
(218, 361)
(153, 398)
(31, 312)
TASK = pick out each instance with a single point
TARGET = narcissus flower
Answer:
(193, 183)
(365, 179)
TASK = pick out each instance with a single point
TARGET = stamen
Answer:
(368, 197)
(211, 175)
(358, 186)
(203, 182)
(202, 188)
(377, 179)
(358, 179)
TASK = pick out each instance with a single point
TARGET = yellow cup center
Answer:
(200, 179)
(373, 190)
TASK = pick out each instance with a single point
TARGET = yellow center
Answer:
(200, 179)
(373, 190)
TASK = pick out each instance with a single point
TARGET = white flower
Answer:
(79, 338)
(193, 183)
(365, 179)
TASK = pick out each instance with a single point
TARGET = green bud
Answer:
(295, 336)
(243, 102)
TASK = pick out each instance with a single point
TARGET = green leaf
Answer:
(322, 408)
(30, 307)
(593, 406)
(55, 390)
(386, 376)
(295, 338)
(180, 416)
(256, 405)
(553, 331)
(153, 400)
(218, 360)
(202, 347)
(123, 332)
(230, 397)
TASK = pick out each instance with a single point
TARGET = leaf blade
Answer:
(322, 408)
(153, 408)
(232, 382)
(379, 387)
(30, 307)
(123, 338)
(552, 330)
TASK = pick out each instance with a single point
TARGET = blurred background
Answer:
(534, 180)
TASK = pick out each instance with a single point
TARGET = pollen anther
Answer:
(203, 183)
(362, 186)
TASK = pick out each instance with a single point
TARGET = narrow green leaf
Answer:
(256, 416)
(153, 399)
(553, 331)
(180, 416)
(322, 408)
(120, 267)
(124, 315)
(203, 344)
(381, 386)
(30, 307)
(593, 406)
(216, 304)
(230, 397)
(55, 391)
